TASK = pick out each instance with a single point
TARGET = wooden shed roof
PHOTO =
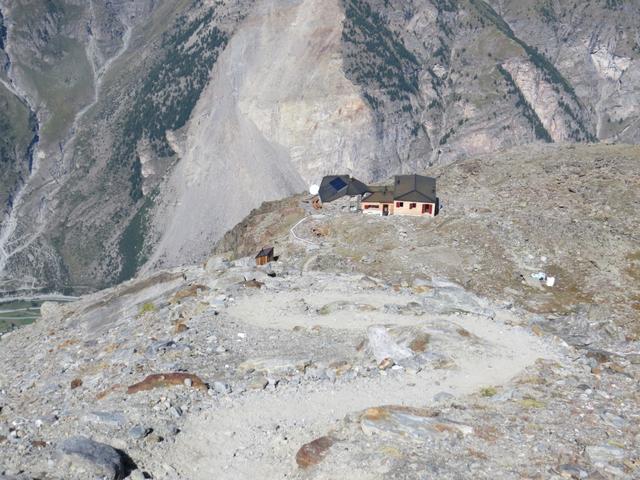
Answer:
(265, 252)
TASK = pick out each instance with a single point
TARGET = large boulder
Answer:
(83, 456)
(448, 297)
(382, 345)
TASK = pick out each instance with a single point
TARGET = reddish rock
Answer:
(75, 383)
(314, 452)
(190, 291)
(164, 380)
(420, 342)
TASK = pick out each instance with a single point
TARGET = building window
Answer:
(399, 204)
(426, 208)
(366, 207)
(412, 205)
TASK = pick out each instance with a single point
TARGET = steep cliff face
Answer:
(453, 78)
(141, 131)
(280, 113)
(595, 46)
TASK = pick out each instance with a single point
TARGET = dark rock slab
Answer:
(95, 459)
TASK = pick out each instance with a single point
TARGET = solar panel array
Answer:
(338, 183)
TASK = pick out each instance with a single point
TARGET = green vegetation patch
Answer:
(133, 250)
(3, 32)
(165, 99)
(18, 128)
(18, 313)
(488, 392)
(148, 307)
(60, 72)
(532, 403)
(162, 101)
(376, 57)
(526, 108)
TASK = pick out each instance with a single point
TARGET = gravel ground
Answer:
(381, 348)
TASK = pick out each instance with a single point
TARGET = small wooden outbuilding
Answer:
(265, 256)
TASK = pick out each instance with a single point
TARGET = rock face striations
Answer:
(136, 133)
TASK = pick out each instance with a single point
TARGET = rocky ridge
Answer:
(351, 358)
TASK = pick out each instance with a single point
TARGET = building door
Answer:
(385, 210)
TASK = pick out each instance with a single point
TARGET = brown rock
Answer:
(314, 452)
(181, 327)
(75, 383)
(618, 368)
(190, 291)
(601, 356)
(340, 367)
(386, 363)
(38, 443)
(164, 380)
(537, 330)
(464, 333)
(68, 343)
(420, 342)
(376, 413)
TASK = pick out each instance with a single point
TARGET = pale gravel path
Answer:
(257, 435)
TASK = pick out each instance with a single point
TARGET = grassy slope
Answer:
(60, 71)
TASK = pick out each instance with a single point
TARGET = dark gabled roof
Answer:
(336, 186)
(382, 196)
(356, 187)
(265, 252)
(415, 188)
